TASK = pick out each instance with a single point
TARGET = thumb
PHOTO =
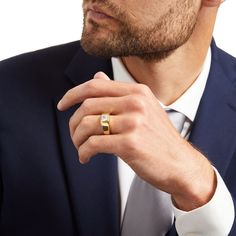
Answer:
(101, 75)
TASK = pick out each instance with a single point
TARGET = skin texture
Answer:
(164, 159)
(151, 36)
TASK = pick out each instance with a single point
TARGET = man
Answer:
(173, 124)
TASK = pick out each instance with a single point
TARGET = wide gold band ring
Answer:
(105, 123)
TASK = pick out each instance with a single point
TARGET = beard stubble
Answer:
(150, 43)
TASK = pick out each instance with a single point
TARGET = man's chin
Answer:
(93, 49)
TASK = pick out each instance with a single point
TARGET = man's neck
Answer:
(170, 78)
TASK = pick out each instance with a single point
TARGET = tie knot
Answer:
(177, 119)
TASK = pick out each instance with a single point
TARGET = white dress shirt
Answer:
(217, 216)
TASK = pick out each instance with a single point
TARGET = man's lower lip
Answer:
(98, 15)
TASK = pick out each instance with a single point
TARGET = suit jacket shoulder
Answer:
(35, 66)
(228, 64)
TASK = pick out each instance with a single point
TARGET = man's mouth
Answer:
(95, 12)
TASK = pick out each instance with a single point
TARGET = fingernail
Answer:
(59, 105)
(83, 162)
(102, 75)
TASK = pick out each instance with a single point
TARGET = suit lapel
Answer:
(214, 128)
(93, 188)
(213, 131)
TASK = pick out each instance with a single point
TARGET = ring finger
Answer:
(90, 125)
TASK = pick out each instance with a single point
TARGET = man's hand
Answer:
(142, 135)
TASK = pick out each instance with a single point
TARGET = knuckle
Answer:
(75, 142)
(91, 85)
(134, 122)
(85, 122)
(71, 121)
(70, 95)
(86, 105)
(130, 142)
(92, 143)
(143, 89)
(82, 155)
(137, 103)
(129, 124)
(71, 125)
(137, 121)
(134, 100)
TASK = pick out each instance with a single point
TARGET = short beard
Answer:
(153, 43)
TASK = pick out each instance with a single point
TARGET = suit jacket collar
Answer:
(83, 67)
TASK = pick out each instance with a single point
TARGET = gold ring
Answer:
(105, 123)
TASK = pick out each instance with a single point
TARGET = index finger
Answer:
(94, 88)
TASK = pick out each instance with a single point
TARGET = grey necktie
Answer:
(148, 210)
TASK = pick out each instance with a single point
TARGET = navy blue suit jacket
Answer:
(44, 190)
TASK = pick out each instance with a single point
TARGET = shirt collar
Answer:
(188, 103)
